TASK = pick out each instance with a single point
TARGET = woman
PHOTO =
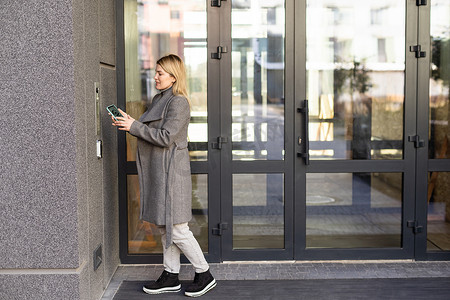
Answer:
(163, 166)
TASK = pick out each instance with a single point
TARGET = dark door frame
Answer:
(405, 166)
(211, 167)
(415, 164)
(425, 165)
(230, 166)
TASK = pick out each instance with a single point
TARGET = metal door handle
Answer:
(305, 111)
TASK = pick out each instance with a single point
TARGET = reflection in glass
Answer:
(438, 228)
(258, 211)
(440, 80)
(144, 237)
(156, 28)
(258, 33)
(359, 210)
(355, 78)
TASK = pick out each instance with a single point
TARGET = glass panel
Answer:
(156, 28)
(355, 78)
(258, 211)
(144, 238)
(353, 210)
(440, 79)
(438, 229)
(258, 33)
(199, 222)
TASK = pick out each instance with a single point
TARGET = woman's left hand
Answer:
(123, 123)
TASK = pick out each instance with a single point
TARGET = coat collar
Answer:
(157, 108)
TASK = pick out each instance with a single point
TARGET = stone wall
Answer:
(59, 201)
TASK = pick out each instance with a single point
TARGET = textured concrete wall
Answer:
(94, 31)
(59, 201)
(38, 176)
(110, 186)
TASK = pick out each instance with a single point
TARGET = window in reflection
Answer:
(355, 78)
(354, 210)
(440, 80)
(156, 28)
(438, 228)
(144, 237)
(258, 35)
(258, 211)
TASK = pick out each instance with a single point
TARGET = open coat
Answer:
(162, 160)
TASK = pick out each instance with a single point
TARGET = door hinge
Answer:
(417, 49)
(421, 2)
(220, 140)
(216, 3)
(220, 228)
(218, 54)
(415, 226)
(418, 143)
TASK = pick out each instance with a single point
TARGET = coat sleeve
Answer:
(175, 121)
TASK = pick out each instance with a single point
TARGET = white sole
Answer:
(209, 287)
(172, 289)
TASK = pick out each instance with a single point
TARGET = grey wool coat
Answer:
(162, 160)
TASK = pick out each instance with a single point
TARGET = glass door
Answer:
(241, 85)
(438, 200)
(152, 29)
(433, 180)
(307, 126)
(355, 162)
(256, 128)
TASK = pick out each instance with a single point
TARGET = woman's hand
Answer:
(123, 123)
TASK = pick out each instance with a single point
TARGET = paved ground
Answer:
(338, 279)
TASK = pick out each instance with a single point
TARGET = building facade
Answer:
(319, 130)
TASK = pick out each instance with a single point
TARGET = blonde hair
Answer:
(174, 65)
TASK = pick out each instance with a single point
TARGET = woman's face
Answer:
(163, 79)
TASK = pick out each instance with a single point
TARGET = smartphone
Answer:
(112, 109)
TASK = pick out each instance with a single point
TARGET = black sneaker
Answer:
(167, 282)
(203, 282)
